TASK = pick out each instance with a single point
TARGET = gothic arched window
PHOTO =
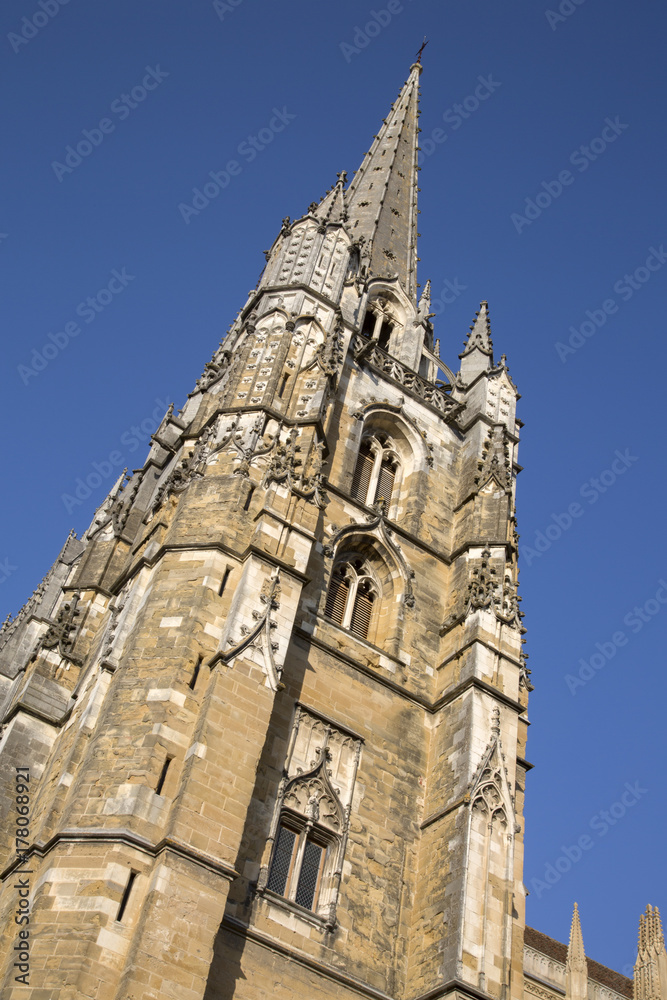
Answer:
(352, 597)
(298, 861)
(376, 471)
(307, 838)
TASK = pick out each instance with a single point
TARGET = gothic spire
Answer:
(382, 198)
(576, 967)
(332, 207)
(480, 333)
(651, 964)
(477, 353)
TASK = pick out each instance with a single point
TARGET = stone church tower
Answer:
(268, 715)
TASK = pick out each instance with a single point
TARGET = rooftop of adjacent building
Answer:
(596, 971)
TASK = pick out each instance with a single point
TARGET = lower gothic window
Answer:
(297, 865)
(303, 859)
(352, 597)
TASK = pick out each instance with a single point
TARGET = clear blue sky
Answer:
(552, 85)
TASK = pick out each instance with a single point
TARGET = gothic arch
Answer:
(489, 865)
(403, 440)
(368, 555)
(385, 316)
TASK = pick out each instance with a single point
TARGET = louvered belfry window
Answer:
(385, 486)
(376, 471)
(362, 610)
(337, 599)
(351, 597)
(362, 473)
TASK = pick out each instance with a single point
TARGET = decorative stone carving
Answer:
(248, 442)
(490, 790)
(317, 786)
(259, 636)
(483, 586)
(62, 633)
(376, 527)
(486, 592)
(495, 463)
(286, 466)
(213, 370)
(112, 628)
(368, 352)
(189, 468)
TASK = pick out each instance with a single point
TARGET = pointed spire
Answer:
(477, 353)
(651, 964)
(332, 207)
(382, 198)
(576, 967)
(480, 333)
(424, 307)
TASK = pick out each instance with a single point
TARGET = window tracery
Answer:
(353, 597)
(377, 471)
(306, 845)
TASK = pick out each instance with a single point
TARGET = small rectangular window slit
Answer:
(223, 582)
(246, 505)
(195, 673)
(126, 895)
(163, 775)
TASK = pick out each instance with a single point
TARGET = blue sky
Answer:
(545, 196)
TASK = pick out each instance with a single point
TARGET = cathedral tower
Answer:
(270, 710)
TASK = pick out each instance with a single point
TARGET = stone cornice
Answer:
(76, 835)
(416, 699)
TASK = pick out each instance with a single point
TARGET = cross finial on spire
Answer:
(421, 49)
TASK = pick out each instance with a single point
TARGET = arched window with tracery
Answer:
(302, 864)
(377, 471)
(352, 600)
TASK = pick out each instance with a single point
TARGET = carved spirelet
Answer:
(483, 586)
(494, 462)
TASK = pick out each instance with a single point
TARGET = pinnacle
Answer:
(576, 956)
(480, 332)
(651, 937)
